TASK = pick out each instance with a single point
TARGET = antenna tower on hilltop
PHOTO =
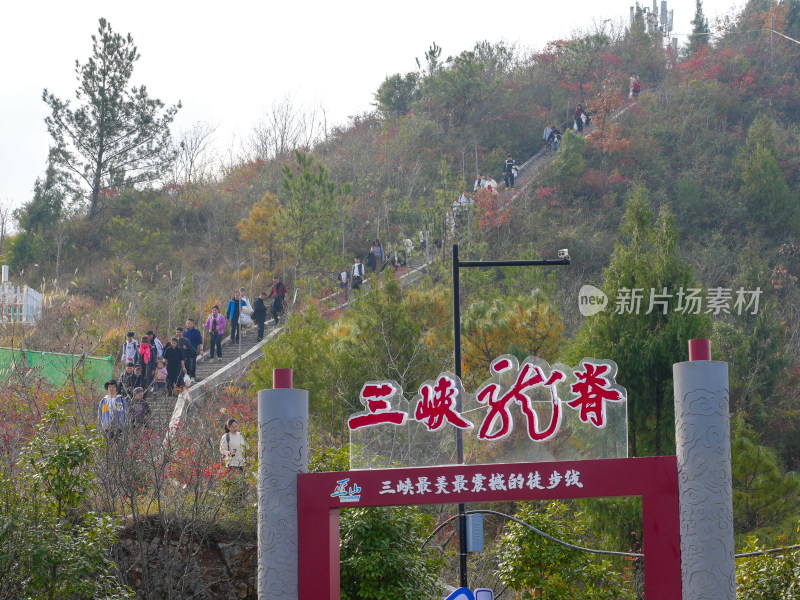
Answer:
(658, 20)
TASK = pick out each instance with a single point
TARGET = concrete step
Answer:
(230, 353)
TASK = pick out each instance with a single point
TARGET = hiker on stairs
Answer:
(215, 325)
(278, 292)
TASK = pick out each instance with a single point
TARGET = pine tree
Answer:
(700, 30)
(117, 135)
(645, 339)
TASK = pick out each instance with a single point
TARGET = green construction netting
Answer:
(56, 368)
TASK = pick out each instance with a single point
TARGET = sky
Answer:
(228, 63)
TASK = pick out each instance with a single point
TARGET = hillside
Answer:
(687, 193)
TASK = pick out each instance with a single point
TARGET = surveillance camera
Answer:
(563, 253)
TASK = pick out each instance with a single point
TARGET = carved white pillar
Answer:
(282, 454)
(703, 448)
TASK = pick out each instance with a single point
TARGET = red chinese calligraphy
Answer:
(592, 392)
(437, 404)
(528, 377)
(376, 397)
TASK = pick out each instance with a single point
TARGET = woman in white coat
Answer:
(232, 446)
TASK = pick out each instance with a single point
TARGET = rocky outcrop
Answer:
(178, 567)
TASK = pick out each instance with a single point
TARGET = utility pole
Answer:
(457, 266)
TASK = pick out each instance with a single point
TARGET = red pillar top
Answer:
(699, 350)
(282, 379)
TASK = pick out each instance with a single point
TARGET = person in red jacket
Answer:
(278, 292)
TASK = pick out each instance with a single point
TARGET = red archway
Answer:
(655, 479)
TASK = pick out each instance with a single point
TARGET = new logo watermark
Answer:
(690, 301)
(591, 300)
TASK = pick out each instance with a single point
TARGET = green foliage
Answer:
(768, 576)
(327, 458)
(521, 326)
(538, 567)
(49, 547)
(568, 165)
(308, 218)
(381, 339)
(396, 94)
(117, 136)
(763, 187)
(700, 30)
(766, 501)
(59, 458)
(37, 221)
(44, 210)
(306, 342)
(577, 59)
(752, 345)
(642, 52)
(141, 235)
(381, 557)
(644, 345)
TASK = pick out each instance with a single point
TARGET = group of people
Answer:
(581, 118)
(152, 366)
(552, 136)
(240, 312)
(116, 413)
(510, 173)
(378, 259)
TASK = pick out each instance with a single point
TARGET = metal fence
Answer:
(19, 304)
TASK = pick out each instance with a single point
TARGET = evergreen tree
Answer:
(37, 220)
(116, 135)
(645, 341)
(699, 36)
(763, 186)
(396, 94)
(307, 220)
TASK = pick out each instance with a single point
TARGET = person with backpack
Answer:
(278, 292)
(232, 446)
(508, 172)
(129, 348)
(112, 411)
(146, 358)
(260, 314)
(232, 313)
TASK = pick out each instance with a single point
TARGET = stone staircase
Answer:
(230, 352)
(215, 372)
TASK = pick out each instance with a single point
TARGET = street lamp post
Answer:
(457, 265)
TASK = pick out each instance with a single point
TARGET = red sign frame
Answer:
(655, 479)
